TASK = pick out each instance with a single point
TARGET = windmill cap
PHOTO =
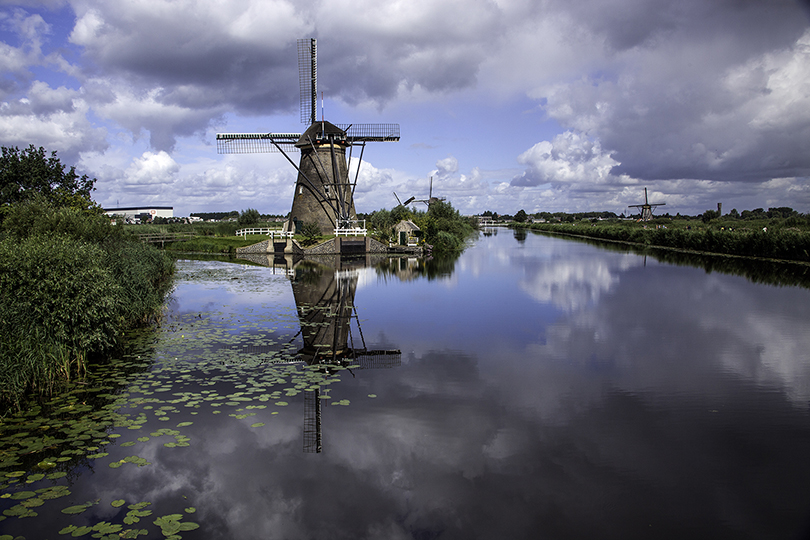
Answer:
(317, 131)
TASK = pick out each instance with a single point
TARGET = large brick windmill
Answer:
(324, 193)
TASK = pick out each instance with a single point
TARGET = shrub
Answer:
(249, 217)
(311, 232)
(70, 284)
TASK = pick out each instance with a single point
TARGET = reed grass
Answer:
(70, 285)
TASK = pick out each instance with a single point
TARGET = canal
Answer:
(533, 387)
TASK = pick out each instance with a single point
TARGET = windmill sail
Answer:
(308, 79)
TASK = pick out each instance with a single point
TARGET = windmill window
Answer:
(300, 190)
(326, 189)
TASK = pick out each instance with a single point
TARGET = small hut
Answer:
(406, 233)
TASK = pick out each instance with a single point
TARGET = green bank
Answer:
(783, 239)
(71, 284)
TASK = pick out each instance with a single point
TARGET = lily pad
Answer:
(78, 509)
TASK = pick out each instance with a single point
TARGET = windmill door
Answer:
(403, 238)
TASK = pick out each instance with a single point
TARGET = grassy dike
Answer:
(768, 240)
(71, 284)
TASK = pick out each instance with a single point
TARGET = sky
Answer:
(540, 105)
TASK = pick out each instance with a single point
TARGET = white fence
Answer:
(359, 229)
(351, 232)
(273, 233)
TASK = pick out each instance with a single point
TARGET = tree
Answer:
(25, 174)
(249, 217)
(709, 215)
(782, 211)
(520, 216)
(311, 232)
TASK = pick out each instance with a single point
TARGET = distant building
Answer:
(141, 213)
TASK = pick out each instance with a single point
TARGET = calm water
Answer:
(533, 388)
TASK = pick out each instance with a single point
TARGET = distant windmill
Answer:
(323, 192)
(646, 208)
(430, 200)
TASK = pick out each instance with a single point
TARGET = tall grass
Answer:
(70, 285)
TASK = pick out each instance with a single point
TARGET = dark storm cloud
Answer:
(695, 89)
(213, 58)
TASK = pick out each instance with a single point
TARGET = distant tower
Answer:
(719, 209)
(324, 193)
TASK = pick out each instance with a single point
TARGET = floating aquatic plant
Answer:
(195, 365)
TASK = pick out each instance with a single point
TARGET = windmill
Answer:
(430, 200)
(646, 208)
(323, 193)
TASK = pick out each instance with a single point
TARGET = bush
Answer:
(70, 284)
(37, 216)
(249, 217)
(311, 232)
(446, 242)
(60, 285)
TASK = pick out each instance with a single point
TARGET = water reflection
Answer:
(324, 298)
(756, 270)
(545, 388)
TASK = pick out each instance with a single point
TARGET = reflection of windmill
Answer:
(323, 192)
(646, 208)
(430, 200)
(325, 301)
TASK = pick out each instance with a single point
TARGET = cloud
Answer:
(625, 92)
(16, 62)
(447, 166)
(150, 111)
(151, 168)
(52, 118)
(571, 158)
(705, 112)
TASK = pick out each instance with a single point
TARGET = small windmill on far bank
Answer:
(430, 200)
(323, 193)
(646, 208)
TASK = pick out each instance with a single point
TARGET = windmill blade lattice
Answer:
(308, 79)
(251, 143)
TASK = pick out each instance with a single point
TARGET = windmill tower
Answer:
(324, 194)
(646, 208)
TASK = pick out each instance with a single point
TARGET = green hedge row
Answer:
(773, 244)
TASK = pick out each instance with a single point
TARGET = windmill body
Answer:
(324, 193)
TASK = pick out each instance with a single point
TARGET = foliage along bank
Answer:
(442, 227)
(776, 241)
(70, 282)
